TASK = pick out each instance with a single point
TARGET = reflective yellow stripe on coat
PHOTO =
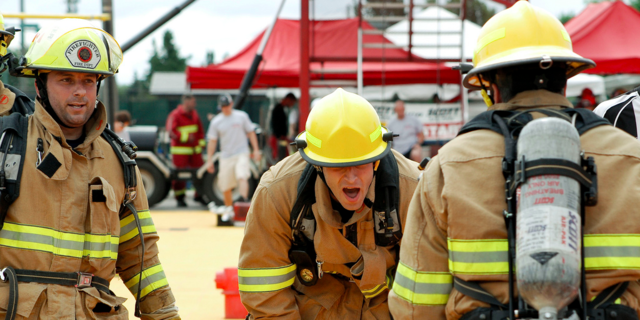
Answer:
(267, 279)
(186, 130)
(153, 278)
(611, 251)
(422, 288)
(60, 243)
(129, 229)
(485, 256)
(185, 151)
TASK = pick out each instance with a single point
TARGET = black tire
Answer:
(155, 184)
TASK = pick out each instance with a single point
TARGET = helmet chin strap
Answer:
(44, 99)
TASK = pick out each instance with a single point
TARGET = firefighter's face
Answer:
(350, 184)
(72, 96)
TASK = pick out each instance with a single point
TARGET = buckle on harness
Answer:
(84, 280)
(2, 276)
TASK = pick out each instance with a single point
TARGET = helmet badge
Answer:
(83, 54)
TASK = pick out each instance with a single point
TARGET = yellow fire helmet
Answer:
(72, 45)
(523, 34)
(343, 130)
(5, 37)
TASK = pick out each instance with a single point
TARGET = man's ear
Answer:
(37, 91)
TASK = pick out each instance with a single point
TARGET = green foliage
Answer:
(566, 16)
(166, 59)
(635, 4)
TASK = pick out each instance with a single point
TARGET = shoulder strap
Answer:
(306, 195)
(126, 153)
(22, 104)
(13, 146)
(386, 217)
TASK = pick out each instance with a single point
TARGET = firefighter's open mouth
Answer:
(351, 193)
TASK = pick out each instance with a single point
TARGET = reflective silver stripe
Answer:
(266, 280)
(132, 225)
(152, 279)
(423, 288)
(594, 252)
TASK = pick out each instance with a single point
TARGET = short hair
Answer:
(187, 96)
(517, 79)
(123, 116)
(291, 96)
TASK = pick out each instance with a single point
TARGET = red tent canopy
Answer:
(332, 41)
(605, 33)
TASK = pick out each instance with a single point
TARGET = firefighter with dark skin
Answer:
(71, 218)
(10, 97)
(349, 268)
(456, 224)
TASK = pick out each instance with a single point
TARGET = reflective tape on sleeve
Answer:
(612, 251)
(153, 278)
(422, 288)
(481, 257)
(266, 279)
(76, 245)
(129, 229)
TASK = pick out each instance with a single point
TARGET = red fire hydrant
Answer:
(227, 280)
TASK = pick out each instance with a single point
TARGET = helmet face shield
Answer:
(73, 45)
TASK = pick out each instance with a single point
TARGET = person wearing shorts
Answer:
(232, 128)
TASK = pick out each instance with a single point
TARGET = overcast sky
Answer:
(220, 25)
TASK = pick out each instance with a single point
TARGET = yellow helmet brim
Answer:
(316, 159)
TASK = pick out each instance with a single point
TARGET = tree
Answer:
(565, 17)
(166, 59)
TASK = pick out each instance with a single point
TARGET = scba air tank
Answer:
(548, 234)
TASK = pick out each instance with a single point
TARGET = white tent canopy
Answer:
(446, 38)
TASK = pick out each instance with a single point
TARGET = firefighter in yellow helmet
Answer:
(78, 221)
(454, 259)
(10, 97)
(322, 235)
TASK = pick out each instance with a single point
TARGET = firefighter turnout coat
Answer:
(70, 218)
(185, 129)
(268, 286)
(455, 225)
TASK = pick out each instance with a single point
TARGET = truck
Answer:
(157, 171)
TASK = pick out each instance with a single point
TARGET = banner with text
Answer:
(441, 121)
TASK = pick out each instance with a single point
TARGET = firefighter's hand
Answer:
(210, 167)
(257, 155)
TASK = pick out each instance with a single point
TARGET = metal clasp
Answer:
(84, 280)
(2, 276)
(320, 272)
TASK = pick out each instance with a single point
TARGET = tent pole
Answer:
(249, 77)
(359, 59)
(464, 95)
(304, 65)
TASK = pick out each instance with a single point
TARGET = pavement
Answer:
(192, 250)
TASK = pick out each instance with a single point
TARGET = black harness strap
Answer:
(475, 291)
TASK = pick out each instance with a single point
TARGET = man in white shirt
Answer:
(410, 130)
(232, 128)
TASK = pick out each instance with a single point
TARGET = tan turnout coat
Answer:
(461, 198)
(70, 219)
(264, 252)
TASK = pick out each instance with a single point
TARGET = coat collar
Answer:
(92, 129)
(534, 99)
